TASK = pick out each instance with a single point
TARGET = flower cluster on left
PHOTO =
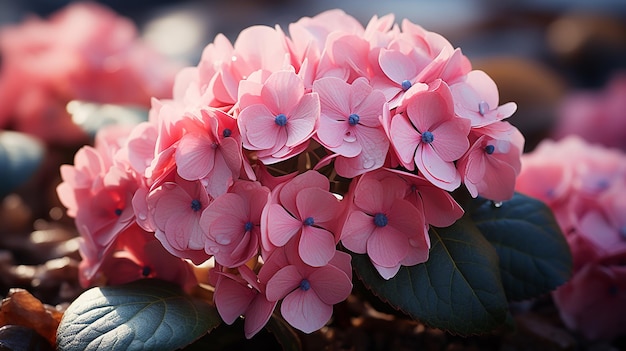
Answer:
(268, 157)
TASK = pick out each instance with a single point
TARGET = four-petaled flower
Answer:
(428, 135)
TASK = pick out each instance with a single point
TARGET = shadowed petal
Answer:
(283, 282)
(305, 311)
(281, 225)
(331, 284)
(317, 246)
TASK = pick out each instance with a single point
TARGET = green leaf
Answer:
(458, 289)
(20, 156)
(147, 314)
(534, 255)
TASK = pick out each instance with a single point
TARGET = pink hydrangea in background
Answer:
(83, 52)
(271, 159)
(596, 116)
(584, 184)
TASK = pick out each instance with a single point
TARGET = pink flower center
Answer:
(281, 120)
(305, 285)
(227, 132)
(427, 137)
(118, 212)
(406, 84)
(353, 119)
(196, 205)
(483, 107)
(308, 221)
(380, 220)
(489, 149)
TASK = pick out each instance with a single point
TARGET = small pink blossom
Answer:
(308, 293)
(279, 127)
(97, 191)
(138, 255)
(350, 125)
(384, 225)
(243, 295)
(428, 135)
(307, 212)
(210, 151)
(439, 207)
(476, 98)
(177, 208)
(491, 165)
(232, 224)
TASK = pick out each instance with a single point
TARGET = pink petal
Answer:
(281, 225)
(232, 299)
(305, 311)
(439, 172)
(356, 231)
(257, 315)
(334, 96)
(451, 139)
(194, 156)
(429, 108)
(387, 246)
(262, 132)
(397, 66)
(331, 284)
(331, 132)
(283, 282)
(282, 91)
(318, 203)
(387, 272)
(302, 120)
(370, 196)
(405, 140)
(317, 246)
(440, 209)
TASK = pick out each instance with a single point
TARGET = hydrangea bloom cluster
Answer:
(270, 156)
(46, 63)
(584, 185)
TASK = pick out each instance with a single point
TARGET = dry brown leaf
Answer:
(22, 308)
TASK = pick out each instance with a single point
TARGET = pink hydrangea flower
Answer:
(304, 210)
(280, 126)
(138, 255)
(97, 191)
(308, 293)
(210, 151)
(384, 225)
(491, 165)
(438, 206)
(430, 136)
(177, 207)
(350, 125)
(243, 295)
(476, 98)
(232, 224)
(223, 65)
